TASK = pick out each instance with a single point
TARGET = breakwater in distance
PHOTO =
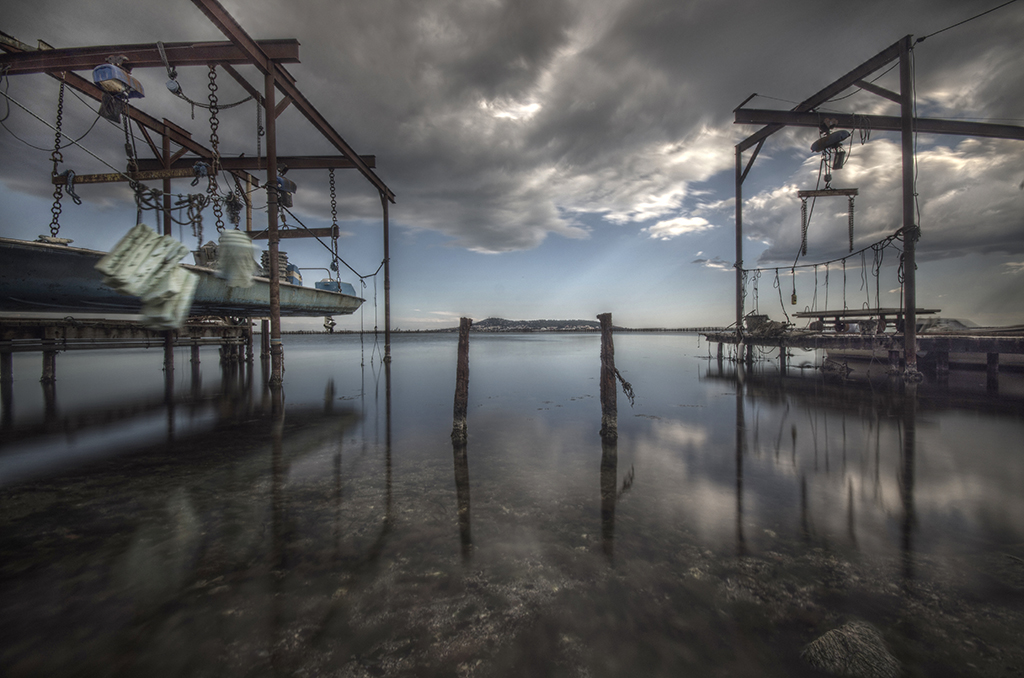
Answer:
(219, 528)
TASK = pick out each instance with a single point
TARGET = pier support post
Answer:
(749, 356)
(783, 360)
(461, 383)
(942, 366)
(169, 351)
(197, 375)
(248, 341)
(264, 339)
(609, 393)
(719, 354)
(992, 372)
(7, 389)
(49, 365)
(894, 360)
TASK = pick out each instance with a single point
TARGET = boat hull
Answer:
(42, 277)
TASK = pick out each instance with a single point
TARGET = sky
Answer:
(565, 158)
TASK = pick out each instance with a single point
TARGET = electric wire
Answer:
(961, 23)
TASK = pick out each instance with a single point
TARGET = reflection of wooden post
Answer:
(7, 388)
(609, 405)
(609, 484)
(462, 382)
(462, 494)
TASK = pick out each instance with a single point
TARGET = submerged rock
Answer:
(854, 649)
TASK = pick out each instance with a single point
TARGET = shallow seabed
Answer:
(205, 529)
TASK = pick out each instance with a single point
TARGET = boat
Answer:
(59, 278)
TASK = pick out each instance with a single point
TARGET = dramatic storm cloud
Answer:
(562, 126)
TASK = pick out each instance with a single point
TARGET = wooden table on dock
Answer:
(839, 320)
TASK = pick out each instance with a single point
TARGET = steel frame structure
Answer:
(269, 57)
(804, 114)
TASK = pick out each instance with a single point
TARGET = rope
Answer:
(961, 23)
(327, 247)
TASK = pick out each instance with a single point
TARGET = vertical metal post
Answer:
(909, 228)
(276, 349)
(166, 159)
(739, 241)
(248, 202)
(387, 281)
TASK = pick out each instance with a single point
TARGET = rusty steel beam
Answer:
(245, 163)
(286, 83)
(178, 135)
(296, 233)
(876, 62)
(148, 175)
(144, 56)
(887, 123)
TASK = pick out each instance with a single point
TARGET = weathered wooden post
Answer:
(169, 337)
(197, 375)
(462, 382)
(992, 371)
(248, 340)
(264, 339)
(609, 405)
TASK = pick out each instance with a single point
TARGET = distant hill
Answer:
(503, 325)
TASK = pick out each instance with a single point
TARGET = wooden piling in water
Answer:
(7, 367)
(169, 337)
(461, 382)
(609, 404)
(49, 365)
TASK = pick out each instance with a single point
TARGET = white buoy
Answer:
(234, 258)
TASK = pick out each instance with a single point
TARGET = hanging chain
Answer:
(803, 226)
(218, 209)
(259, 135)
(57, 157)
(851, 222)
(334, 223)
(132, 165)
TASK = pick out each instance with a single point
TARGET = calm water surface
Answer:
(195, 528)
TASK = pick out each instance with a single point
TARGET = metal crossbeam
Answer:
(290, 161)
(886, 123)
(286, 83)
(144, 56)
